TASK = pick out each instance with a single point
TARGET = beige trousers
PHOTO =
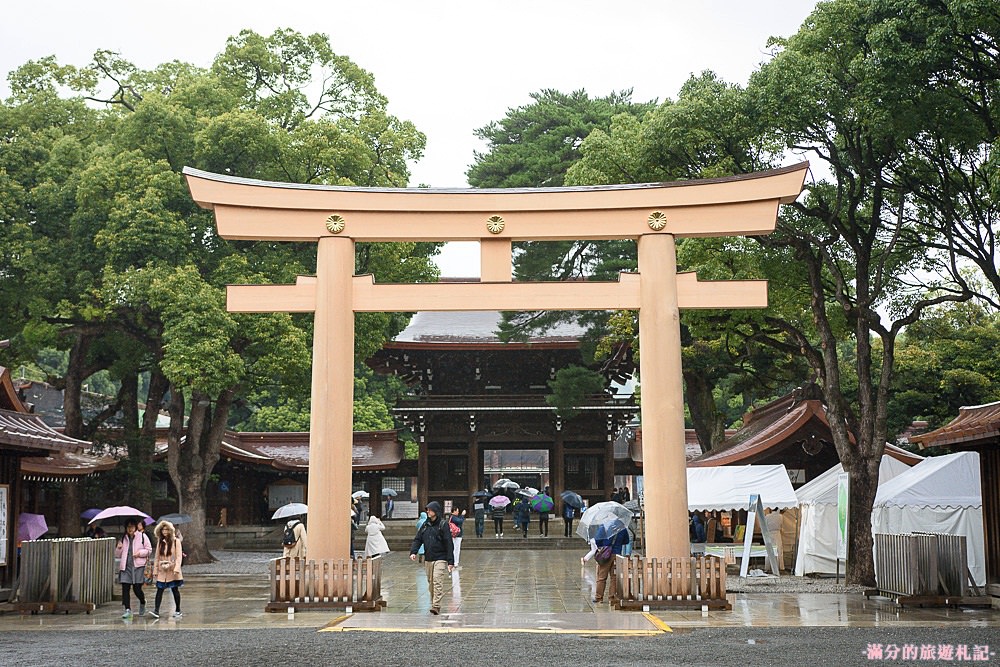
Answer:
(437, 572)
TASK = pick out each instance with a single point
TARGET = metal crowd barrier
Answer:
(924, 569)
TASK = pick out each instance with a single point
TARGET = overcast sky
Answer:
(449, 67)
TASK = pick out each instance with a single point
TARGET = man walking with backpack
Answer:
(439, 559)
(293, 540)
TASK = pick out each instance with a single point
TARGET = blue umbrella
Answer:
(482, 494)
(90, 514)
(389, 492)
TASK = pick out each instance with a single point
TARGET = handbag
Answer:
(147, 571)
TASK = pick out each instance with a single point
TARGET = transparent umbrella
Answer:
(604, 520)
(506, 484)
(290, 510)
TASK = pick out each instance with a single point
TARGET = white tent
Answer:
(730, 487)
(817, 530)
(941, 494)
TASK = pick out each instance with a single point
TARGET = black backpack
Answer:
(289, 539)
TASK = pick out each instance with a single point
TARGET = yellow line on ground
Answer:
(329, 627)
(657, 621)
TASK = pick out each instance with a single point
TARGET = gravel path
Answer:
(843, 647)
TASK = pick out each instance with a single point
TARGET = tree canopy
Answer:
(110, 259)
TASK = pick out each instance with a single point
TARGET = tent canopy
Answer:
(937, 481)
(823, 489)
(730, 487)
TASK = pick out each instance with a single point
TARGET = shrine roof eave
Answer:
(29, 433)
(974, 425)
(64, 466)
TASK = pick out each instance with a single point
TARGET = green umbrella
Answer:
(541, 503)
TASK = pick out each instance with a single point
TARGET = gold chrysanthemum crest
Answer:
(336, 223)
(657, 220)
(495, 224)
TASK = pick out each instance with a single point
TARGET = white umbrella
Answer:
(290, 510)
(527, 492)
(360, 494)
(506, 484)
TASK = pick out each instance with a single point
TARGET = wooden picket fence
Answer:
(302, 583)
(65, 575)
(659, 583)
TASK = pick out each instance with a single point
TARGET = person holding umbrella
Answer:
(606, 525)
(132, 550)
(499, 504)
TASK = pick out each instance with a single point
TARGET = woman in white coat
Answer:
(375, 544)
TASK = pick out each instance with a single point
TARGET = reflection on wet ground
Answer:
(538, 591)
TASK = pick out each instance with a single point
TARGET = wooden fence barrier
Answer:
(65, 575)
(660, 583)
(303, 583)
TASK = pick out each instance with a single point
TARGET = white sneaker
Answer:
(177, 614)
(154, 614)
(127, 614)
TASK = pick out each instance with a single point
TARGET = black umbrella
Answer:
(572, 498)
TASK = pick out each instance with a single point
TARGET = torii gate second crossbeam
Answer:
(653, 214)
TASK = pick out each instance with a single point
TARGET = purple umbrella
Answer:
(30, 527)
(91, 513)
(121, 511)
(499, 501)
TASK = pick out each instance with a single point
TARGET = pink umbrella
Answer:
(499, 501)
(30, 527)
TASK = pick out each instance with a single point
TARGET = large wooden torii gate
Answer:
(653, 214)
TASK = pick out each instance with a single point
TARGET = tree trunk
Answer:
(191, 456)
(708, 422)
(70, 501)
(70, 508)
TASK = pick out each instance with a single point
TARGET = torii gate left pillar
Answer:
(651, 214)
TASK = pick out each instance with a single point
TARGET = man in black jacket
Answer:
(435, 536)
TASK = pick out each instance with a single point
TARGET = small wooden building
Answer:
(792, 430)
(259, 472)
(977, 429)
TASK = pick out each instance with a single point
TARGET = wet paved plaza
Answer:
(500, 590)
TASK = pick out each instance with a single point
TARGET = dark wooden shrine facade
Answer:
(472, 393)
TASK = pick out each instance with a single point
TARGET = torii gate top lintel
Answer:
(252, 209)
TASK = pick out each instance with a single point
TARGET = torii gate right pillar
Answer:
(663, 467)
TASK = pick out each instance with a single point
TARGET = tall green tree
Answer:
(144, 262)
